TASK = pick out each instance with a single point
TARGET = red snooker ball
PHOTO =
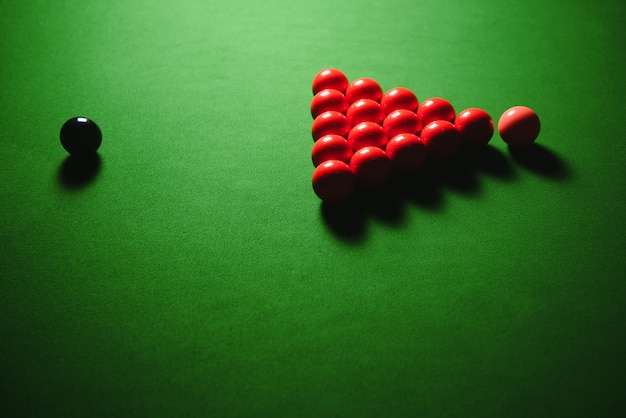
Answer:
(519, 126)
(328, 99)
(330, 123)
(434, 109)
(441, 139)
(406, 152)
(331, 147)
(367, 134)
(475, 127)
(401, 121)
(363, 88)
(399, 98)
(365, 110)
(333, 181)
(371, 167)
(330, 78)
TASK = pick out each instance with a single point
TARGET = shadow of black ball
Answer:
(78, 171)
(539, 160)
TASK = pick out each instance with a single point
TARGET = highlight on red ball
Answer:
(367, 134)
(399, 98)
(364, 88)
(331, 147)
(365, 110)
(434, 109)
(441, 139)
(519, 126)
(371, 167)
(401, 121)
(328, 99)
(475, 127)
(330, 123)
(329, 78)
(406, 152)
(333, 181)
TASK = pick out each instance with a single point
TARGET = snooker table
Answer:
(190, 270)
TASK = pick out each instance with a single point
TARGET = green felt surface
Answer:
(197, 274)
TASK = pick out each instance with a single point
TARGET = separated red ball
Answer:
(333, 181)
(406, 152)
(401, 121)
(328, 99)
(365, 110)
(330, 123)
(399, 98)
(331, 147)
(371, 167)
(364, 88)
(330, 78)
(367, 134)
(475, 127)
(519, 126)
(434, 109)
(441, 139)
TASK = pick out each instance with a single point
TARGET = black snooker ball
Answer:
(81, 136)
